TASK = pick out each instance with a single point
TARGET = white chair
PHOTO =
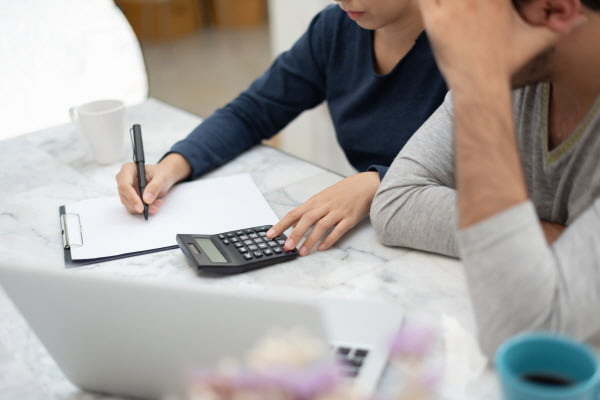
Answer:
(60, 53)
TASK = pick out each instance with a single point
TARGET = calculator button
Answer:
(263, 228)
(262, 246)
(248, 242)
(277, 250)
(258, 254)
(248, 256)
(268, 252)
(249, 230)
(243, 250)
(253, 235)
(252, 247)
(244, 237)
(258, 240)
(234, 240)
(262, 234)
(221, 236)
(280, 242)
(225, 241)
(272, 243)
(238, 244)
(230, 234)
(239, 233)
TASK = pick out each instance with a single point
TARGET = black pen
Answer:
(138, 158)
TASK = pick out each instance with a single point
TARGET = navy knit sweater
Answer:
(373, 115)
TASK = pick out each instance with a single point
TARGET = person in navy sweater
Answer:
(371, 61)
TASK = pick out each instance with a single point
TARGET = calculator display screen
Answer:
(210, 250)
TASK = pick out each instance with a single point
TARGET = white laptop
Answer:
(142, 338)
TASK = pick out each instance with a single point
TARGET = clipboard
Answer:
(72, 236)
(100, 229)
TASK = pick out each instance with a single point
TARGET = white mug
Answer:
(102, 122)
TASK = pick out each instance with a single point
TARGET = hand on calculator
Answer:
(331, 213)
(235, 251)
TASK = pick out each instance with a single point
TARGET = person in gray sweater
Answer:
(509, 180)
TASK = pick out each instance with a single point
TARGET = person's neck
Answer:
(575, 85)
(393, 41)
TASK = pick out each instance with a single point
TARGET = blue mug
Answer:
(543, 366)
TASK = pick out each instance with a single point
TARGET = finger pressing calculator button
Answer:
(248, 256)
(258, 254)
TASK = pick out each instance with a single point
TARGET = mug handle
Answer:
(73, 114)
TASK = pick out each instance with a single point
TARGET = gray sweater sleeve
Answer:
(415, 203)
(519, 283)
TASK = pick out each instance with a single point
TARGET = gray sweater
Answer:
(516, 281)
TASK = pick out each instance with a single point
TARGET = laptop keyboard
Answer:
(351, 358)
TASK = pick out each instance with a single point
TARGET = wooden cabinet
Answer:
(156, 20)
(238, 13)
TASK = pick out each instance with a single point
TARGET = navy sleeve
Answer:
(381, 170)
(295, 82)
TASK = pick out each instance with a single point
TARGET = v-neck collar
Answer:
(371, 48)
(551, 156)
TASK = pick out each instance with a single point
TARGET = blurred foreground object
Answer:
(286, 366)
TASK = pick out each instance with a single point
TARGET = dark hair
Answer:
(592, 4)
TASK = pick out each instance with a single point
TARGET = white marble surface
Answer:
(45, 169)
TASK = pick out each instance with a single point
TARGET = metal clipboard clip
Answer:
(70, 224)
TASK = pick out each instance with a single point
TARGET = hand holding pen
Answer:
(138, 158)
(144, 192)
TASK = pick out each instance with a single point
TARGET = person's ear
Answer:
(557, 15)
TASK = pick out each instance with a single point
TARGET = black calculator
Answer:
(235, 251)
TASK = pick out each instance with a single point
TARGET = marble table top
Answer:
(43, 170)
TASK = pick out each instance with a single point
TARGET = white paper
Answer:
(205, 206)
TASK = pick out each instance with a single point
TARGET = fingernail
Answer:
(303, 251)
(271, 232)
(148, 197)
(289, 244)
